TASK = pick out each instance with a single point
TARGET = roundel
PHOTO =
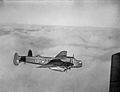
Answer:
(42, 61)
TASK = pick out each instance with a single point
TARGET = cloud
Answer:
(85, 80)
(92, 77)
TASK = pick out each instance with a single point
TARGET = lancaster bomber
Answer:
(60, 62)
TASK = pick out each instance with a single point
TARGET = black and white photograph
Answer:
(59, 46)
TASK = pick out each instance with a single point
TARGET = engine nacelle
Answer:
(57, 69)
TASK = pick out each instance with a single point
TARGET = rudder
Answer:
(115, 73)
(30, 53)
(16, 59)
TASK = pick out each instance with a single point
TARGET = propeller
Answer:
(73, 55)
(72, 59)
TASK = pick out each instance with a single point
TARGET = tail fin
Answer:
(16, 59)
(115, 73)
(30, 53)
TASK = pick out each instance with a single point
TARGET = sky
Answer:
(96, 13)
(89, 29)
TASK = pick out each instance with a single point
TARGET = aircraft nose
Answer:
(80, 62)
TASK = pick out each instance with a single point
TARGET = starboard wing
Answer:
(62, 54)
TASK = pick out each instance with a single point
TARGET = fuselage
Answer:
(44, 60)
